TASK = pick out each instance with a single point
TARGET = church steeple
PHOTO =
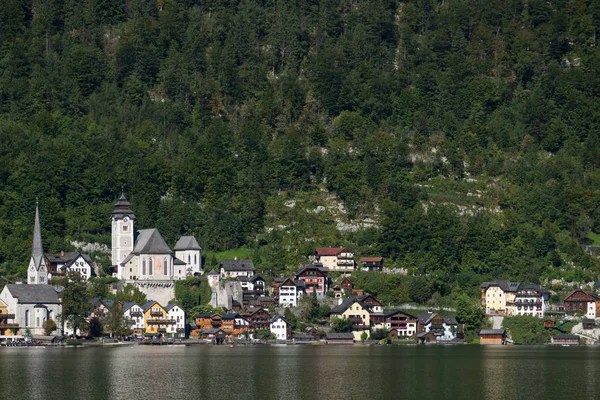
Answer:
(36, 272)
(122, 230)
(37, 251)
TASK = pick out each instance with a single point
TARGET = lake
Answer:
(300, 372)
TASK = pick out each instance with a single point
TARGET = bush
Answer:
(526, 330)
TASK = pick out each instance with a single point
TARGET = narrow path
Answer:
(497, 321)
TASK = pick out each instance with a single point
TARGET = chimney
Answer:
(62, 253)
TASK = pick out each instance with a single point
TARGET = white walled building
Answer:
(289, 293)
(59, 264)
(188, 250)
(235, 268)
(135, 314)
(280, 328)
(176, 313)
(32, 305)
(37, 273)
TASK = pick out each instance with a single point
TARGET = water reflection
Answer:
(300, 372)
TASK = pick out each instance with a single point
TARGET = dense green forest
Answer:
(466, 133)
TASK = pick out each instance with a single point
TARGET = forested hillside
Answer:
(458, 139)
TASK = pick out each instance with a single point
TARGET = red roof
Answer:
(371, 259)
(329, 251)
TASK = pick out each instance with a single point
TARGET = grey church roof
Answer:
(122, 208)
(187, 243)
(150, 241)
(237, 265)
(44, 294)
(37, 252)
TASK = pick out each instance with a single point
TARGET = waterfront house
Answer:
(281, 328)
(259, 319)
(236, 326)
(208, 321)
(565, 339)
(235, 268)
(156, 322)
(8, 326)
(351, 308)
(177, 314)
(496, 294)
(315, 279)
(214, 335)
(404, 323)
(442, 327)
(528, 300)
(134, 313)
(371, 263)
(492, 336)
(587, 303)
(340, 338)
(426, 338)
(335, 258)
(32, 306)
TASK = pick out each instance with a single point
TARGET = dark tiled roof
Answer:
(122, 209)
(148, 304)
(237, 265)
(329, 251)
(276, 317)
(492, 332)
(389, 313)
(340, 335)
(177, 261)
(44, 294)
(506, 286)
(150, 241)
(344, 305)
(318, 267)
(187, 243)
(565, 337)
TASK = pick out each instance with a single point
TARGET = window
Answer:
(27, 318)
(189, 259)
(144, 266)
(150, 265)
(37, 321)
(125, 228)
(165, 266)
(195, 259)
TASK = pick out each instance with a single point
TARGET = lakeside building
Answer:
(280, 328)
(31, 306)
(443, 328)
(492, 336)
(496, 294)
(587, 303)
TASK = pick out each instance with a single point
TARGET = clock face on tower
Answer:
(126, 219)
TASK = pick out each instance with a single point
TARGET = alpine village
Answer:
(318, 304)
(270, 173)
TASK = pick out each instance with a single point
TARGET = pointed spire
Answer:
(37, 251)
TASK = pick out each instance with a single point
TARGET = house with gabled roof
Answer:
(235, 268)
(335, 258)
(289, 292)
(352, 309)
(156, 322)
(281, 328)
(134, 313)
(444, 328)
(371, 263)
(315, 279)
(496, 294)
(175, 313)
(588, 303)
(63, 262)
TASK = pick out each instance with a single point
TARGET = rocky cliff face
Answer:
(225, 293)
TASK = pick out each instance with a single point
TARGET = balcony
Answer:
(136, 313)
(154, 321)
(7, 316)
(156, 313)
(8, 326)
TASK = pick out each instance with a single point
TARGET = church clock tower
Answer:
(122, 230)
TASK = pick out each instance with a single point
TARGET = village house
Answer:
(587, 303)
(208, 321)
(315, 279)
(177, 314)
(236, 326)
(260, 319)
(280, 328)
(9, 329)
(156, 322)
(213, 335)
(371, 263)
(254, 285)
(496, 294)
(352, 309)
(492, 336)
(32, 306)
(290, 292)
(528, 300)
(443, 328)
(335, 258)
(404, 323)
(135, 314)
(59, 264)
(340, 338)
(235, 268)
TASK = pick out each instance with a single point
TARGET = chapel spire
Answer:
(37, 251)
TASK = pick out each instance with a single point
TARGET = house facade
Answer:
(280, 328)
(9, 328)
(290, 292)
(315, 279)
(156, 322)
(135, 314)
(61, 263)
(528, 300)
(405, 324)
(497, 294)
(352, 309)
(235, 268)
(442, 327)
(587, 303)
(176, 314)
(335, 258)
(371, 263)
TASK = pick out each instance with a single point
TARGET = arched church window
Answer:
(195, 259)
(150, 265)
(27, 318)
(165, 266)
(144, 266)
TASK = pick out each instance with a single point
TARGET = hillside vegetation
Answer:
(459, 139)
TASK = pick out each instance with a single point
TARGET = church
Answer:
(144, 259)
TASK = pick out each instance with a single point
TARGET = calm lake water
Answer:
(300, 372)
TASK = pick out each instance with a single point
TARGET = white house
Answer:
(529, 300)
(188, 250)
(32, 305)
(280, 328)
(135, 314)
(444, 328)
(59, 264)
(290, 293)
(176, 313)
(235, 268)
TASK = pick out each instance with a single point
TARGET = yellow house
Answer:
(352, 309)
(497, 295)
(155, 319)
(8, 326)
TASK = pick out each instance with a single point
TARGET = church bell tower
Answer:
(37, 273)
(122, 230)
